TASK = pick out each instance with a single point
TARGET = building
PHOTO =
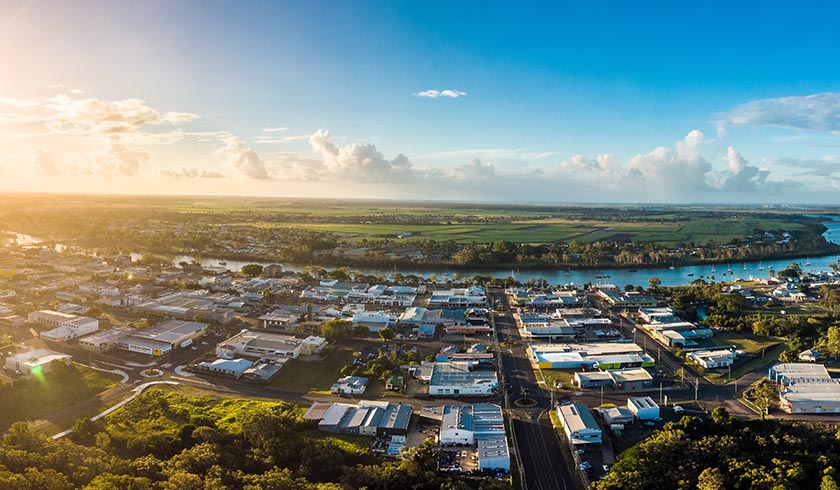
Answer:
(162, 338)
(12, 321)
(579, 424)
(631, 299)
(227, 367)
(350, 385)
(263, 371)
(280, 319)
(383, 420)
(36, 361)
(457, 379)
(471, 297)
(394, 383)
(313, 345)
(260, 345)
(493, 453)
(621, 379)
(616, 415)
(65, 326)
(643, 407)
(806, 388)
(603, 355)
(711, 359)
(103, 341)
(374, 320)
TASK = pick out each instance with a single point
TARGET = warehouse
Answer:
(103, 341)
(806, 388)
(456, 378)
(162, 338)
(643, 407)
(579, 424)
(35, 362)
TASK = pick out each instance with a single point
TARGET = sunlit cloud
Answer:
(434, 94)
(820, 112)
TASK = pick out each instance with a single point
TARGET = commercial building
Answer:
(35, 361)
(643, 407)
(471, 297)
(627, 300)
(711, 359)
(260, 345)
(457, 379)
(621, 379)
(603, 355)
(579, 424)
(481, 425)
(616, 415)
(806, 388)
(162, 338)
(65, 326)
(103, 341)
(226, 367)
(280, 319)
(375, 320)
(190, 305)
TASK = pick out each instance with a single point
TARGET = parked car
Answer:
(585, 466)
(678, 409)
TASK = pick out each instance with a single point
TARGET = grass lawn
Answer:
(302, 377)
(752, 344)
(54, 395)
(564, 376)
(359, 445)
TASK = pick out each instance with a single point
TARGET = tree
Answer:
(654, 283)
(828, 483)
(336, 330)
(829, 343)
(711, 479)
(252, 270)
(764, 394)
(386, 334)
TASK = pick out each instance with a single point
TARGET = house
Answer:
(809, 355)
(579, 424)
(394, 383)
(643, 407)
(457, 379)
(350, 385)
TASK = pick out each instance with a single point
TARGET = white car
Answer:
(678, 409)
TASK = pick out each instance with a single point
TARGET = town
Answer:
(506, 382)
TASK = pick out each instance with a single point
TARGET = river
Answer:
(620, 277)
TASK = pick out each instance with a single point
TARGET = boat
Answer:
(633, 270)
(222, 262)
(672, 267)
(745, 266)
(729, 269)
(760, 266)
(807, 260)
(690, 274)
(713, 269)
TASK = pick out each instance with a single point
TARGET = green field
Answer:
(302, 377)
(700, 231)
(51, 395)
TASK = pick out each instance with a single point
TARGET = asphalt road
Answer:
(537, 445)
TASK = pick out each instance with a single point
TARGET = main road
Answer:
(538, 450)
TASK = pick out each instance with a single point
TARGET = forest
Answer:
(721, 452)
(165, 440)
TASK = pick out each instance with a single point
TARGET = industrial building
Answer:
(481, 425)
(621, 379)
(65, 326)
(806, 388)
(162, 338)
(368, 418)
(579, 424)
(35, 361)
(457, 379)
(643, 407)
(103, 341)
(603, 355)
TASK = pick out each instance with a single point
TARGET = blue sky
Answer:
(583, 101)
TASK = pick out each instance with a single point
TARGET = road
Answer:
(537, 446)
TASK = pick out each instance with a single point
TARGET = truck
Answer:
(186, 343)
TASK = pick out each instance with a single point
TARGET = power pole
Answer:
(660, 393)
(696, 387)
(602, 394)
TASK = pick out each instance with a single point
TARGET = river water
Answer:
(620, 277)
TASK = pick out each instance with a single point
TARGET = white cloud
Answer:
(67, 114)
(44, 164)
(359, 162)
(280, 139)
(474, 170)
(741, 176)
(117, 159)
(434, 94)
(189, 173)
(243, 160)
(296, 167)
(275, 130)
(673, 171)
(819, 112)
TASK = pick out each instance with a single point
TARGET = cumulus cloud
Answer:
(474, 170)
(296, 167)
(676, 169)
(243, 160)
(742, 177)
(189, 173)
(44, 164)
(360, 162)
(819, 112)
(67, 114)
(117, 159)
(434, 94)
